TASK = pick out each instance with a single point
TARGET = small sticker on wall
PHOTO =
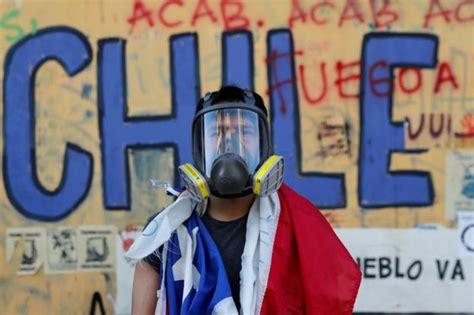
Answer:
(96, 245)
(459, 182)
(62, 250)
(30, 242)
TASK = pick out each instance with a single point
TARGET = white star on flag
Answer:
(184, 268)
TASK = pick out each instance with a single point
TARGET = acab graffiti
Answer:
(379, 136)
(233, 14)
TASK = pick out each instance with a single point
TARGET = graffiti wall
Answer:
(371, 102)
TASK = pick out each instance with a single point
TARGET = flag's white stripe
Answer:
(249, 268)
(184, 268)
(270, 210)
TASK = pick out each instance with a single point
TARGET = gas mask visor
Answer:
(232, 133)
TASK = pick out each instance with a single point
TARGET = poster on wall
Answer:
(28, 245)
(96, 244)
(62, 250)
(411, 270)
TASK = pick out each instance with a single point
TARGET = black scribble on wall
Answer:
(333, 139)
(64, 243)
(96, 299)
(30, 254)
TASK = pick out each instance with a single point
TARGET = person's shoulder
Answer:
(150, 218)
(178, 205)
(302, 211)
(291, 197)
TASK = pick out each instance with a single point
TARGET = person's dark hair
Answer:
(228, 93)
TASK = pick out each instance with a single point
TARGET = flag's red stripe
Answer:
(311, 271)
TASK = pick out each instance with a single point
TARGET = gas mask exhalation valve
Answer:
(229, 175)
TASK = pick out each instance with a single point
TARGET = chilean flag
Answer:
(292, 263)
(195, 277)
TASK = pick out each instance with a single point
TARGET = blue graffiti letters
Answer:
(379, 187)
(119, 132)
(71, 49)
(325, 190)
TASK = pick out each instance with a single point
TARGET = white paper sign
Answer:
(62, 250)
(411, 270)
(96, 244)
(32, 241)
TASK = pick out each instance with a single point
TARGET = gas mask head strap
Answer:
(248, 104)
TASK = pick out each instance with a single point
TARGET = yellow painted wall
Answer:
(63, 115)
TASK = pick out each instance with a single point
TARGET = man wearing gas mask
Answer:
(237, 240)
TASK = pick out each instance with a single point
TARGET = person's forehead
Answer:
(232, 118)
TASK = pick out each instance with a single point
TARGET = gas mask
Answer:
(232, 150)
